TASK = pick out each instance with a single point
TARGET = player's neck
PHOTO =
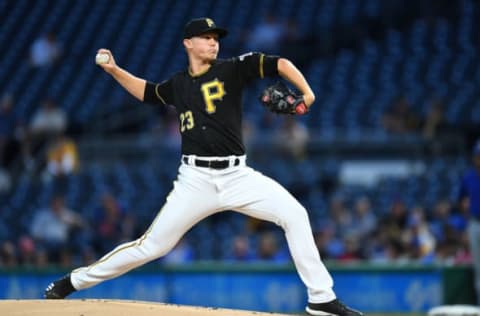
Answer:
(197, 67)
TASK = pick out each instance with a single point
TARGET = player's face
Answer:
(205, 46)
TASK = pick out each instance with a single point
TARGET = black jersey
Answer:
(209, 105)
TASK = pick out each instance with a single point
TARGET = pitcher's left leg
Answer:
(263, 198)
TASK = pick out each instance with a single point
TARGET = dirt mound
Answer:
(111, 307)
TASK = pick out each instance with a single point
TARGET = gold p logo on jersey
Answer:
(209, 22)
(212, 90)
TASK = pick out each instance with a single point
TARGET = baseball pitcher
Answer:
(213, 175)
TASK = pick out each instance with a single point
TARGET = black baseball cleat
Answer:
(333, 308)
(59, 289)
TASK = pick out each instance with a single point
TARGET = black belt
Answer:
(214, 164)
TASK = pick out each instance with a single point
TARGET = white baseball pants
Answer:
(199, 192)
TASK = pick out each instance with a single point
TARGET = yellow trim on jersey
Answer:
(198, 74)
(109, 255)
(261, 65)
(142, 239)
(134, 243)
(158, 94)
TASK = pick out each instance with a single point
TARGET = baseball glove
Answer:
(278, 98)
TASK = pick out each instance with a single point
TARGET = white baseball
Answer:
(101, 58)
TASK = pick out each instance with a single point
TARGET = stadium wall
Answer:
(265, 287)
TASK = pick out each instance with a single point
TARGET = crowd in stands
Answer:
(37, 145)
(348, 229)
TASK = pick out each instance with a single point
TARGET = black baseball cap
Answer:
(201, 26)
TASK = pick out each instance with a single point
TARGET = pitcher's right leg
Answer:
(126, 257)
(117, 262)
(192, 199)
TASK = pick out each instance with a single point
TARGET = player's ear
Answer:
(187, 42)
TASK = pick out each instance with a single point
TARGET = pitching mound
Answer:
(111, 308)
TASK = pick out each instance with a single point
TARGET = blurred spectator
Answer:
(440, 220)
(388, 244)
(401, 119)
(266, 36)
(445, 252)
(45, 50)
(329, 246)
(435, 124)
(395, 222)
(27, 251)
(268, 249)
(8, 255)
(463, 255)
(341, 216)
(391, 252)
(364, 218)
(255, 225)
(470, 194)
(112, 224)
(62, 157)
(241, 249)
(181, 253)
(448, 223)
(41, 258)
(51, 227)
(66, 258)
(352, 251)
(292, 138)
(419, 238)
(48, 120)
(88, 256)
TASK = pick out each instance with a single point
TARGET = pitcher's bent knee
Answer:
(296, 215)
(153, 248)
